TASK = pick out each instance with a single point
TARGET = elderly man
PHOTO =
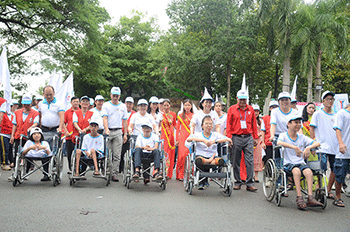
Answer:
(242, 127)
(51, 116)
(114, 115)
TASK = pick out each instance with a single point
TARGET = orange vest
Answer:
(22, 127)
(6, 124)
(84, 122)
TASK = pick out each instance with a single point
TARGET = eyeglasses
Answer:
(208, 124)
(329, 99)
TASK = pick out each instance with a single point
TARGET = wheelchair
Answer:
(55, 161)
(275, 179)
(346, 185)
(221, 175)
(129, 167)
(104, 162)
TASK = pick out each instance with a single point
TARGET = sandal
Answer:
(96, 174)
(330, 196)
(339, 203)
(301, 203)
(136, 175)
(158, 176)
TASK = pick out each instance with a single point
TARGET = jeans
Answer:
(139, 154)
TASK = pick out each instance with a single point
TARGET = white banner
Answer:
(341, 100)
(66, 92)
(5, 79)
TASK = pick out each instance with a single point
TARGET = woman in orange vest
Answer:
(167, 133)
(24, 120)
(81, 118)
(182, 133)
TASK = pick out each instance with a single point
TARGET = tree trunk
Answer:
(309, 85)
(276, 83)
(228, 85)
(286, 74)
(318, 80)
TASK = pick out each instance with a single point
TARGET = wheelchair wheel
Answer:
(346, 185)
(108, 176)
(59, 165)
(269, 180)
(187, 173)
(228, 187)
(163, 185)
(16, 179)
(128, 180)
(321, 197)
(54, 180)
(190, 187)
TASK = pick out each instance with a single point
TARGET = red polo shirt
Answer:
(234, 117)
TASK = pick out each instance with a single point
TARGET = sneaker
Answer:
(201, 187)
(45, 178)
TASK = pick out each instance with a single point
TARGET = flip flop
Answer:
(96, 174)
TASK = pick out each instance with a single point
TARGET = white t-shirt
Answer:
(49, 112)
(290, 156)
(37, 153)
(158, 117)
(137, 119)
(198, 117)
(280, 119)
(90, 142)
(3, 107)
(151, 141)
(115, 114)
(97, 116)
(24, 117)
(342, 122)
(222, 122)
(201, 148)
(324, 133)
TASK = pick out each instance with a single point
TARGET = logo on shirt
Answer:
(248, 112)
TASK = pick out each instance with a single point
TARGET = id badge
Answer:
(243, 124)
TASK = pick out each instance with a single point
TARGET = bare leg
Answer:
(331, 181)
(296, 176)
(309, 178)
(77, 160)
(94, 158)
(338, 190)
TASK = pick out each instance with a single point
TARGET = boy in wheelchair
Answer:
(92, 147)
(146, 146)
(297, 150)
(206, 147)
(36, 147)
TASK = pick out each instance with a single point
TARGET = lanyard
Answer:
(245, 114)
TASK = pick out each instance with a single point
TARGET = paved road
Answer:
(38, 206)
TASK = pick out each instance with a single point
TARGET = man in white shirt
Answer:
(342, 158)
(114, 115)
(97, 116)
(321, 129)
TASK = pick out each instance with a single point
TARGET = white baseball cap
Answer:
(14, 102)
(146, 124)
(129, 99)
(256, 107)
(326, 93)
(273, 103)
(26, 99)
(293, 117)
(284, 95)
(242, 94)
(142, 101)
(115, 90)
(92, 101)
(161, 100)
(93, 121)
(84, 97)
(153, 99)
(35, 130)
(99, 97)
(39, 98)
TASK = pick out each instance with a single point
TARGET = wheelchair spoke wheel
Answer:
(187, 173)
(269, 180)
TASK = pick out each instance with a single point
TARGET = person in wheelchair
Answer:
(297, 150)
(147, 146)
(206, 148)
(92, 147)
(36, 147)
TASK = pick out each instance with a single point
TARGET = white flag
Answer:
(244, 88)
(194, 108)
(182, 109)
(293, 94)
(5, 79)
(66, 92)
(56, 80)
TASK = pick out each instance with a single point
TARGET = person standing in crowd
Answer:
(182, 133)
(70, 139)
(92, 103)
(257, 148)
(5, 142)
(266, 144)
(36, 102)
(205, 105)
(218, 106)
(51, 116)
(293, 104)
(97, 116)
(24, 120)
(5, 135)
(167, 133)
(154, 111)
(279, 118)
(140, 117)
(81, 117)
(242, 127)
(129, 102)
(308, 111)
(114, 115)
(342, 157)
(160, 104)
(321, 129)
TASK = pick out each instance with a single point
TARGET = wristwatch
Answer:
(216, 141)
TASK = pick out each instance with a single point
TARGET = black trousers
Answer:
(70, 149)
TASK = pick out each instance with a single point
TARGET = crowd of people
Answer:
(251, 136)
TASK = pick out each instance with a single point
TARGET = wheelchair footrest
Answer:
(212, 175)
